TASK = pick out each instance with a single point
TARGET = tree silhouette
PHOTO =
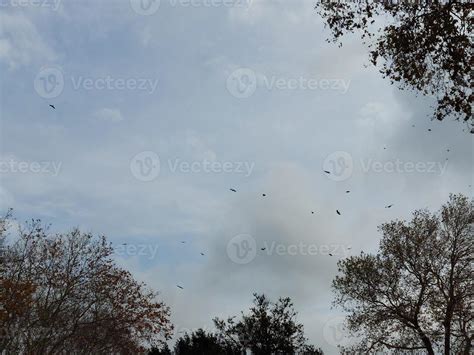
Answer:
(163, 350)
(416, 292)
(269, 328)
(201, 342)
(421, 45)
(64, 293)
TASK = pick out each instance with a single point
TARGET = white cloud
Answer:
(21, 43)
(109, 115)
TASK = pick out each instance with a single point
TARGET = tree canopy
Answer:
(64, 293)
(416, 292)
(420, 45)
(269, 328)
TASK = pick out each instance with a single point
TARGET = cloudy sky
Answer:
(162, 107)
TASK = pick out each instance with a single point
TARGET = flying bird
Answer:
(330, 254)
(202, 254)
(339, 213)
(347, 191)
(263, 249)
(178, 286)
(312, 212)
(233, 190)
(264, 195)
(182, 242)
(429, 129)
(327, 172)
(389, 206)
(52, 106)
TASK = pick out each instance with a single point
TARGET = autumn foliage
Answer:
(64, 293)
(419, 45)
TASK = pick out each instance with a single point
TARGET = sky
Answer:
(161, 107)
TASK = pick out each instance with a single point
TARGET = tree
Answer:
(269, 328)
(416, 292)
(423, 45)
(164, 350)
(201, 342)
(64, 293)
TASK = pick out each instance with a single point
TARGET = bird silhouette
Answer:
(52, 106)
(327, 172)
(312, 212)
(330, 254)
(389, 206)
(233, 190)
(339, 213)
(263, 249)
(264, 195)
(178, 286)
(347, 191)
(202, 254)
